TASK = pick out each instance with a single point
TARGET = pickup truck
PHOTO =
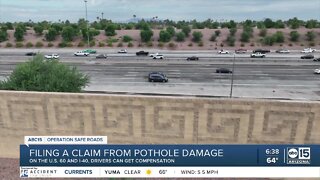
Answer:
(258, 55)
(52, 56)
(142, 53)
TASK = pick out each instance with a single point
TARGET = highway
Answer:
(285, 77)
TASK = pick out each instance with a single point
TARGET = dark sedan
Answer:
(31, 54)
(142, 53)
(316, 59)
(263, 51)
(308, 56)
(101, 56)
(192, 58)
(223, 70)
(157, 77)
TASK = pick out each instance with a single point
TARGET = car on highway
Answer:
(193, 58)
(122, 51)
(316, 71)
(158, 56)
(258, 55)
(153, 54)
(142, 53)
(223, 70)
(263, 51)
(308, 56)
(81, 53)
(308, 50)
(222, 51)
(283, 51)
(157, 77)
(240, 51)
(101, 56)
(316, 59)
(52, 56)
(31, 54)
(90, 51)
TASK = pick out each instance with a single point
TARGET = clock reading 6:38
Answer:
(272, 151)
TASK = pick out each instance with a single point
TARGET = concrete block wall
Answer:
(155, 120)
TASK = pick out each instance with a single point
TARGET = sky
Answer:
(123, 10)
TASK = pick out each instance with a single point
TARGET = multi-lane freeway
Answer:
(277, 76)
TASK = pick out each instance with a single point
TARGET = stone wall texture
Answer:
(129, 119)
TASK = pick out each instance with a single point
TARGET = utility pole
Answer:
(85, 1)
(231, 88)
(101, 15)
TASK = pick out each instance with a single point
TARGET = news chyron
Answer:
(93, 157)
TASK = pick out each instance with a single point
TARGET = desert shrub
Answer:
(263, 32)
(130, 44)
(233, 31)
(19, 45)
(310, 35)
(200, 44)
(120, 44)
(39, 44)
(140, 45)
(242, 45)
(278, 37)
(221, 45)
(92, 43)
(301, 44)
(186, 30)
(312, 44)
(110, 44)
(81, 44)
(217, 32)
(8, 44)
(160, 44)
(180, 36)
(213, 37)
(149, 44)
(290, 44)
(252, 44)
(245, 36)
(172, 45)
(69, 44)
(29, 45)
(101, 44)
(268, 40)
(50, 44)
(190, 44)
(62, 44)
(231, 40)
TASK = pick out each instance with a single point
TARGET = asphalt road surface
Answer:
(277, 76)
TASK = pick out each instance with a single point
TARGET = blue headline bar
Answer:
(170, 155)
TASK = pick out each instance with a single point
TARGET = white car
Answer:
(158, 56)
(258, 55)
(52, 56)
(81, 53)
(122, 51)
(308, 50)
(223, 51)
(316, 71)
(152, 55)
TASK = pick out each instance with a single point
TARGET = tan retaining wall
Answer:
(155, 120)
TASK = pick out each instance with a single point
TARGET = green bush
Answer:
(197, 36)
(51, 34)
(69, 44)
(130, 44)
(164, 36)
(29, 45)
(294, 36)
(310, 35)
(110, 30)
(19, 45)
(38, 74)
(231, 40)
(245, 36)
(278, 37)
(171, 31)
(110, 44)
(146, 35)
(268, 40)
(50, 44)
(8, 44)
(19, 33)
(233, 31)
(186, 30)
(126, 38)
(101, 44)
(3, 35)
(180, 36)
(39, 44)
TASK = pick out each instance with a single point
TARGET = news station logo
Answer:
(298, 155)
(24, 173)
